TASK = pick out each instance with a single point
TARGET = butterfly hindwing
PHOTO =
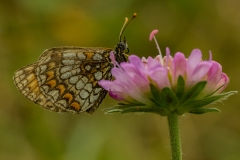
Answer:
(65, 79)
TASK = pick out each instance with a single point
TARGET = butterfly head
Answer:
(122, 46)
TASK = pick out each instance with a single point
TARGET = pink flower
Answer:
(166, 84)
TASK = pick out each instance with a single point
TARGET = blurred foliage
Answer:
(27, 28)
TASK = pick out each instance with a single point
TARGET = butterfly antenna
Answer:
(125, 25)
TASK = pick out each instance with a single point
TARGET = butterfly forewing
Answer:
(65, 79)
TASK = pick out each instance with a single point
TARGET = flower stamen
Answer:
(152, 36)
(210, 56)
(167, 56)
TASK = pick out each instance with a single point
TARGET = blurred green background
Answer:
(27, 28)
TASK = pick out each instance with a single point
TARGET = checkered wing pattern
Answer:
(66, 79)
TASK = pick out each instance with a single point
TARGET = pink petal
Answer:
(139, 78)
(159, 59)
(214, 76)
(178, 67)
(193, 60)
(199, 73)
(134, 72)
(136, 61)
(215, 72)
(106, 84)
(144, 60)
(129, 85)
(116, 95)
(111, 86)
(224, 81)
(160, 77)
(130, 68)
(167, 60)
(122, 77)
(153, 64)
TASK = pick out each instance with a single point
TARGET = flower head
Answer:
(166, 84)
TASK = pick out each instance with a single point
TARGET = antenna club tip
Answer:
(126, 24)
(152, 34)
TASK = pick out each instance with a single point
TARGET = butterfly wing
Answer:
(65, 79)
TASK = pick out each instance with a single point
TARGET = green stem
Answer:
(174, 136)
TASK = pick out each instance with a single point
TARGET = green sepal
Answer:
(145, 109)
(204, 110)
(193, 92)
(130, 104)
(113, 110)
(156, 95)
(168, 99)
(122, 106)
(180, 87)
(209, 100)
(129, 109)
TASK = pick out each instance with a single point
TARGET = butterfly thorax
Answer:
(121, 49)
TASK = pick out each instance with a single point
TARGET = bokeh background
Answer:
(27, 28)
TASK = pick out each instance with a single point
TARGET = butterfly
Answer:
(65, 79)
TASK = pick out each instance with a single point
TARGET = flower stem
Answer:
(173, 125)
